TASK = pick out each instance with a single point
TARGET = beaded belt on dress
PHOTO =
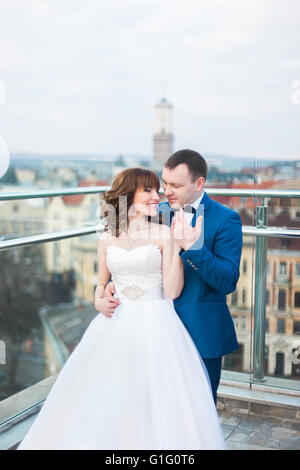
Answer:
(135, 292)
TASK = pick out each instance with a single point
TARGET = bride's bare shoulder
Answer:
(105, 239)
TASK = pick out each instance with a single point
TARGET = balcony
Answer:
(259, 394)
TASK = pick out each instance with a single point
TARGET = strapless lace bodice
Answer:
(137, 274)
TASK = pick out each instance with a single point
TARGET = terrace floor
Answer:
(244, 432)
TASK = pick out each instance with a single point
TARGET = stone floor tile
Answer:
(233, 445)
(290, 444)
(257, 440)
(234, 420)
(224, 416)
(272, 443)
(262, 433)
(227, 430)
(282, 433)
(240, 437)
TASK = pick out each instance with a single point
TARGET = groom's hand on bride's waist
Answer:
(108, 303)
(110, 290)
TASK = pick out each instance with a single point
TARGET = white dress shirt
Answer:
(188, 215)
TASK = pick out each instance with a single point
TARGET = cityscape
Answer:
(47, 289)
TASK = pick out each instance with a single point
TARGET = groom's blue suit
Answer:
(211, 271)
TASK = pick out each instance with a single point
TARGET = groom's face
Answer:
(179, 187)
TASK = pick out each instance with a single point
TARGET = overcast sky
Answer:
(84, 75)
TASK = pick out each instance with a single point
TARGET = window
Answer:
(297, 269)
(16, 226)
(244, 296)
(296, 328)
(281, 325)
(56, 248)
(243, 323)
(282, 269)
(297, 300)
(95, 267)
(27, 226)
(281, 300)
(244, 266)
(4, 226)
(234, 361)
(279, 368)
(234, 297)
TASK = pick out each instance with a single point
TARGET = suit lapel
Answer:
(202, 207)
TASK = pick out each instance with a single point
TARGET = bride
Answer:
(136, 379)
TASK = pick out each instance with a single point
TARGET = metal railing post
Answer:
(260, 295)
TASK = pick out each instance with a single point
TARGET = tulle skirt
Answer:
(134, 381)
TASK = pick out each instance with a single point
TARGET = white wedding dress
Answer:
(135, 380)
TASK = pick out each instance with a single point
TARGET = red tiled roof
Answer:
(236, 201)
(73, 199)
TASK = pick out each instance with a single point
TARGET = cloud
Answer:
(84, 75)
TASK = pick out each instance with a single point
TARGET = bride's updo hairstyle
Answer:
(125, 184)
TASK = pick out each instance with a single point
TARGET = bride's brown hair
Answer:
(125, 184)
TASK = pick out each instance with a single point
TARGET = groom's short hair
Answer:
(195, 162)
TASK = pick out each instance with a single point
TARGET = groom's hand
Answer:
(109, 289)
(108, 303)
(184, 234)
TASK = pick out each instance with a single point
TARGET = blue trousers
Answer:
(213, 367)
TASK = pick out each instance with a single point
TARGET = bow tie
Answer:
(187, 208)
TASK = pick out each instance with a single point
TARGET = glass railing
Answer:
(49, 272)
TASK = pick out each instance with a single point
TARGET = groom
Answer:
(211, 260)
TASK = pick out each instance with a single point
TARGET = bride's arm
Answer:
(172, 265)
(103, 304)
(103, 271)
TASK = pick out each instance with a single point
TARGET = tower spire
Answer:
(163, 137)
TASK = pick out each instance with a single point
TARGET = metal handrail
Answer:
(11, 196)
(50, 237)
(8, 196)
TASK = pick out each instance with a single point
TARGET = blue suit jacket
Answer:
(211, 271)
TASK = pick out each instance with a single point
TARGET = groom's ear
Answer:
(200, 182)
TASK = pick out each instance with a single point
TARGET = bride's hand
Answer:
(184, 234)
(175, 232)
